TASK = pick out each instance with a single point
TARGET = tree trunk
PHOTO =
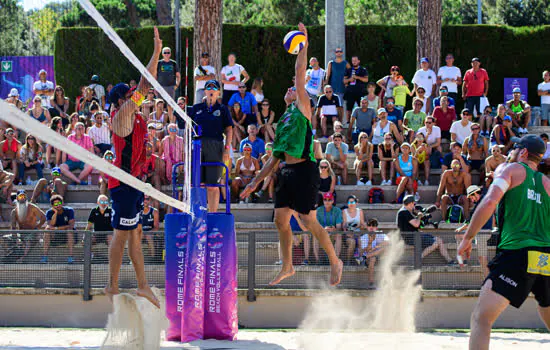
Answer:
(207, 33)
(132, 13)
(428, 32)
(164, 12)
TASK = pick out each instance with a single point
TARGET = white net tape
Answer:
(20, 120)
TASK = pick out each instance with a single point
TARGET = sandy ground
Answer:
(52, 339)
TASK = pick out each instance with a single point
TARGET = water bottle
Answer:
(29, 181)
(339, 182)
(89, 179)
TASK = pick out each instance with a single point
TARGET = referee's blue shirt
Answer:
(212, 120)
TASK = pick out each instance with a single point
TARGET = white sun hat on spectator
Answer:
(13, 93)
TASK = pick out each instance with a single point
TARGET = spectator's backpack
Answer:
(376, 195)
(455, 214)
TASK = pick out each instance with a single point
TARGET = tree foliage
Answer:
(17, 38)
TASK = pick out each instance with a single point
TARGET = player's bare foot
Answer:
(285, 273)
(336, 273)
(148, 294)
(110, 292)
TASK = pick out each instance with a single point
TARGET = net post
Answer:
(196, 163)
(251, 278)
(87, 273)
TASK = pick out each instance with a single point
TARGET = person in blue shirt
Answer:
(249, 105)
(215, 122)
(258, 145)
(443, 92)
(330, 217)
(59, 218)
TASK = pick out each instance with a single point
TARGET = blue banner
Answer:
(512, 83)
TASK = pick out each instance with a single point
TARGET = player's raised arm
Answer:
(302, 97)
(123, 120)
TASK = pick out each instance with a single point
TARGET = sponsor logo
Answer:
(216, 113)
(203, 208)
(129, 222)
(508, 280)
(543, 261)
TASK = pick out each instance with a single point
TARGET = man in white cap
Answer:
(43, 88)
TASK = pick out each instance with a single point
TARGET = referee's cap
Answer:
(212, 82)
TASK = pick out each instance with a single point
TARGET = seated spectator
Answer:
(461, 129)
(363, 153)
(44, 190)
(9, 151)
(258, 145)
(408, 222)
(328, 181)
(239, 125)
(476, 148)
(361, 121)
(338, 128)
(6, 185)
(443, 91)
(502, 135)
(103, 182)
(492, 162)
(248, 104)
(153, 139)
(149, 217)
(59, 218)
(372, 245)
(432, 136)
(57, 126)
(269, 181)
(387, 153)
(420, 151)
(171, 150)
(414, 119)
(86, 101)
(90, 118)
(266, 117)
(501, 113)
(38, 112)
(13, 98)
(330, 217)
(395, 115)
(520, 111)
(444, 117)
(426, 103)
(486, 121)
(75, 118)
(400, 93)
(26, 216)
(337, 153)
(148, 105)
(100, 220)
(329, 107)
(353, 221)
(382, 127)
(30, 158)
(153, 171)
(159, 117)
(406, 167)
(71, 163)
(452, 190)
(246, 168)
(100, 133)
(455, 154)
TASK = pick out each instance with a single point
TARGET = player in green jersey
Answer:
(521, 196)
(298, 182)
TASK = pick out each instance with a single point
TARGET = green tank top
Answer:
(294, 136)
(524, 214)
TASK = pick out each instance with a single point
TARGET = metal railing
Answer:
(22, 262)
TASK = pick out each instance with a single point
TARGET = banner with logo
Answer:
(21, 72)
(510, 84)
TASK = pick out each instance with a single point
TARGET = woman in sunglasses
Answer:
(353, 222)
(38, 112)
(159, 117)
(246, 168)
(30, 157)
(59, 103)
(502, 134)
(363, 153)
(387, 153)
(328, 181)
(266, 117)
(239, 119)
(171, 149)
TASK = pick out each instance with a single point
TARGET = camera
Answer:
(425, 214)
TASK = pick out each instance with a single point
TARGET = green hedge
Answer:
(504, 51)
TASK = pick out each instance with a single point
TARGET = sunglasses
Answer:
(293, 88)
(421, 91)
(10, 132)
(352, 202)
(173, 130)
(338, 51)
(31, 139)
(364, 137)
(429, 122)
(146, 198)
(247, 149)
(181, 104)
(387, 138)
(323, 167)
(475, 129)
(56, 173)
(269, 149)
(166, 53)
(328, 91)
(108, 158)
(327, 200)
(390, 103)
(466, 114)
(242, 87)
(57, 203)
(211, 87)
(103, 202)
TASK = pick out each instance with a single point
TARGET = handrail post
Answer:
(87, 273)
(251, 268)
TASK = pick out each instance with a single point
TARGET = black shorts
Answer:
(351, 99)
(476, 164)
(212, 152)
(297, 187)
(127, 203)
(516, 273)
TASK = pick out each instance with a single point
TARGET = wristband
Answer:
(138, 98)
(227, 147)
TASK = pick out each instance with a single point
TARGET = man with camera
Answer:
(409, 221)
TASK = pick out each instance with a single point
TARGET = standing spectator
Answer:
(257, 89)
(245, 170)
(9, 151)
(266, 117)
(361, 121)
(328, 107)
(336, 71)
(387, 153)
(203, 73)
(30, 158)
(149, 217)
(372, 245)
(461, 129)
(59, 104)
(171, 149)
(148, 105)
(248, 104)
(486, 121)
(363, 152)
(388, 82)
(13, 98)
(38, 112)
(258, 145)
(100, 133)
(100, 220)
(492, 162)
(239, 119)
(452, 190)
(400, 93)
(231, 78)
(104, 178)
(395, 115)
(426, 78)
(442, 93)
(421, 95)
(382, 127)
(502, 134)
(152, 170)
(43, 88)
(476, 86)
(455, 154)
(59, 218)
(353, 221)
(450, 76)
(406, 167)
(543, 90)
(337, 153)
(44, 190)
(71, 163)
(414, 119)
(520, 111)
(328, 180)
(372, 98)
(476, 148)
(168, 76)
(315, 76)
(99, 90)
(444, 117)
(330, 218)
(356, 80)
(215, 120)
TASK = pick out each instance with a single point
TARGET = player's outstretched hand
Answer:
(465, 248)
(302, 28)
(157, 40)
(251, 187)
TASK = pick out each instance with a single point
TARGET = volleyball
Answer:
(294, 42)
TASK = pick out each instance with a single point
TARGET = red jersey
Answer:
(130, 150)
(475, 82)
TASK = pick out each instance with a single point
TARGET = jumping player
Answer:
(522, 263)
(129, 137)
(298, 183)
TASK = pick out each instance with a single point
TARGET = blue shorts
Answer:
(127, 203)
(75, 164)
